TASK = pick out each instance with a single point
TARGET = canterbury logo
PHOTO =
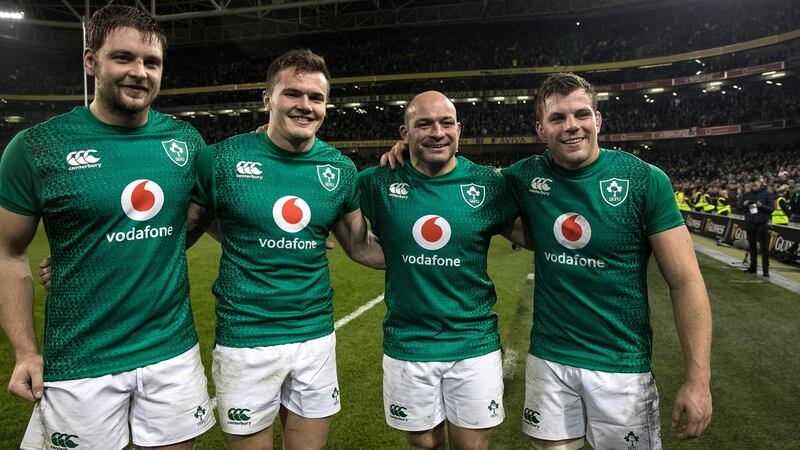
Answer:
(541, 184)
(399, 189)
(530, 415)
(248, 168)
(82, 158)
(398, 411)
(238, 414)
(63, 440)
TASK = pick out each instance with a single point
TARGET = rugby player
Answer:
(112, 183)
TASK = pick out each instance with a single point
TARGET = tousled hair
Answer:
(112, 17)
(562, 84)
(302, 60)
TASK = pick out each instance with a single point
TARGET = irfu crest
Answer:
(177, 151)
(614, 191)
(328, 176)
(473, 194)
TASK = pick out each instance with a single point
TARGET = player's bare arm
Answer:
(357, 241)
(16, 303)
(200, 220)
(674, 252)
(517, 233)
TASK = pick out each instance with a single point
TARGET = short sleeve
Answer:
(367, 203)
(353, 200)
(20, 184)
(510, 207)
(661, 211)
(204, 193)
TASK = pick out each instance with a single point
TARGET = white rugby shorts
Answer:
(252, 383)
(164, 403)
(613, 410)
(418, 396)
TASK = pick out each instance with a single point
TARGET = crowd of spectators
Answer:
(754, 102)
(726, 171)
(659, 31)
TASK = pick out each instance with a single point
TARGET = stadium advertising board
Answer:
(784, 242)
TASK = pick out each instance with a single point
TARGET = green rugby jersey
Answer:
(435, 233)
(590, 229)
(274, 209)
(113, 201)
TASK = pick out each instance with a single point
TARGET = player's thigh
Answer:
(468, 438)
(171, 403)
(88, 412)
(311, 389)
(473, 392)
(248, 386)
(622, 410)
(260, 440)
(412, 394)
(305, 433)
(553, 409)
(433, 439)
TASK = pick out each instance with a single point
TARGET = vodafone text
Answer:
(289, 244)
(574, 260)
(435, 260)
(137, 234)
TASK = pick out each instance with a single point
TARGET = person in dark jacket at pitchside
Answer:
(758, 203)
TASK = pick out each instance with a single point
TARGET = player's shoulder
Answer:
(632, 163)
(368, 173)
(331, 154)
(479, 171)
(531, 163)
(67, 120)
(167, 123)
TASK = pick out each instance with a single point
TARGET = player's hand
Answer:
(262, 128)
(45, 273)
(395, 155)
(694, 401)
(329, 245)
(26, 379)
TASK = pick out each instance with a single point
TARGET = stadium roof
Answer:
(54, 22)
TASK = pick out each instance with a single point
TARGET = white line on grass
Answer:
(339, 324)
(509, 363)
(361, 310)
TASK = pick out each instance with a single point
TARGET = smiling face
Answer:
(127, 71)
(569, 125)
(432, 132)
(296, 106)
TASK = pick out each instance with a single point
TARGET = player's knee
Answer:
(469, 439)
(566, 444)
(425, 440)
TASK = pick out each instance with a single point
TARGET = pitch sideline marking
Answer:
(339, 324)
(509, 363)
(361, 310)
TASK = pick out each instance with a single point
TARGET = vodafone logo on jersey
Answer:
(572, 230)
(431, 232)
(142, 199)
(291, 213)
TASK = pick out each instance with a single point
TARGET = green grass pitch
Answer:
(755, 365)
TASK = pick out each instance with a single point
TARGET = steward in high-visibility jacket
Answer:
(705, 202)
(723, 205)
(680, 199)
(697, 201)
(779, 216)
